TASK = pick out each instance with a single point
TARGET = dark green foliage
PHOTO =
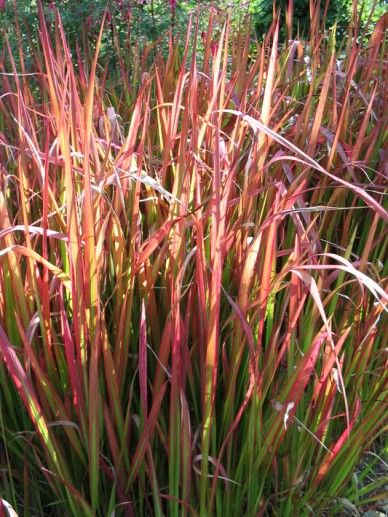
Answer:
(129, 23)
(141, 22)
(338, 12)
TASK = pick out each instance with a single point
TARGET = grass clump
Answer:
(192, 275)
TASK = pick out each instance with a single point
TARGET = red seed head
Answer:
(89, 22)
(128, 14)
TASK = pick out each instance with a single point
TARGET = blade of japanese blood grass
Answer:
(295, 287)
(201, 280)
(94, 404)
(153, 479)
(330, 457)
(217, 84)
(266, 106)
(356, 149)
(45, 276)
(113, 444)
(211, 362)
(145, 437)
(345, 103)
(267, 272)
(125, 154)
(123, 331)
(151, 244)
(91, 280)
(148, 275)
(174, 436)
(369, 242)
(143, 362)
(264, 109)
(58, 99)
(289, 16)
(161, 112)
(105, 245)
(320, 108)
(186, 455)
(200, 267)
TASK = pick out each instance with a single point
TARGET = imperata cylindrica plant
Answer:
(193, 273)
